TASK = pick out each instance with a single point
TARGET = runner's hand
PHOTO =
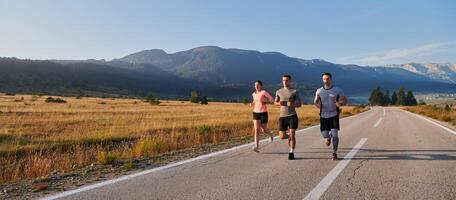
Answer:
(338, 104)
(290, 103)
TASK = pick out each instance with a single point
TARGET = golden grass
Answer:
(37, 138)
(436, 112)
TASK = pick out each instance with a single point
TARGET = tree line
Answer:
(399, 97)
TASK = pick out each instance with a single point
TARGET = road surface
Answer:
(389, 154)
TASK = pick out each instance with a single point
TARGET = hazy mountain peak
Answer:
(437, 71)
(207, 48)
(156, 57)
(315, 62)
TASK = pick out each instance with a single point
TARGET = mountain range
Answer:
(215, 72)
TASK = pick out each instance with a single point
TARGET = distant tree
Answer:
(401, 98)
(410, 99)
(447, 107)
(372, 97)
(152, 99)
(394, 98)
(377, 98)
(387, 98)
(79, 94)
(204, 100)
(245, 100)
(194, 97)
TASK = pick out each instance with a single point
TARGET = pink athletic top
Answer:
(260, 99)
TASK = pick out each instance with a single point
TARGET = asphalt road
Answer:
(386, 153)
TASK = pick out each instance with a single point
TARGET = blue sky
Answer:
(360, 32)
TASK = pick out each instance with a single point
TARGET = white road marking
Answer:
(378, 122)
(433, 122)
(131, 176)
(384, 112)
(332, 175)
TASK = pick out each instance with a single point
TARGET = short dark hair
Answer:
(327, 74)
(286, 75)
(259, 82)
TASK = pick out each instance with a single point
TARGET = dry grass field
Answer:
(436, 112)
(37, 138)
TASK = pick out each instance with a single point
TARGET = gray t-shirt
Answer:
(285, 95)
(328, 98)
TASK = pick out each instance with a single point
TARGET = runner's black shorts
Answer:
(263, 117)
(326, 124)
(288, 122)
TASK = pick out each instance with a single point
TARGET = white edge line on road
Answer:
(384, 112)
(318, 191)
(130, 176)
(431, 121)
(378, 122)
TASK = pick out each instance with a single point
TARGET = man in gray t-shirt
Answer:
(329, 99)
(285, 95)
(288, 98)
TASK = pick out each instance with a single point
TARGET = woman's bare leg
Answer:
(266, 130)
(256, 128)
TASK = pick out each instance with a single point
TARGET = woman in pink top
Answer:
(260, 113)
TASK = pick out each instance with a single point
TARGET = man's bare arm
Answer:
(297, 103)
(342, 101)
(277, 101)
(317, 101)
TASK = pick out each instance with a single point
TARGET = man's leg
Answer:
(283, 135)
(335, 138)
(327, 136)
(283, 126)
(325, 130)
(292, 140)
(291, 144)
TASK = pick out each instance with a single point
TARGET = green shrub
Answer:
(203, 134)
(194, 97)
(54, 100)
(150, 146)
(106, 158)
(152, 99)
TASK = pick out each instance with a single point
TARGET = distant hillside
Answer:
(213, 71)
(35, 76)
(235, 66)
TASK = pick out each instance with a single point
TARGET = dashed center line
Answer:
(378, 122)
